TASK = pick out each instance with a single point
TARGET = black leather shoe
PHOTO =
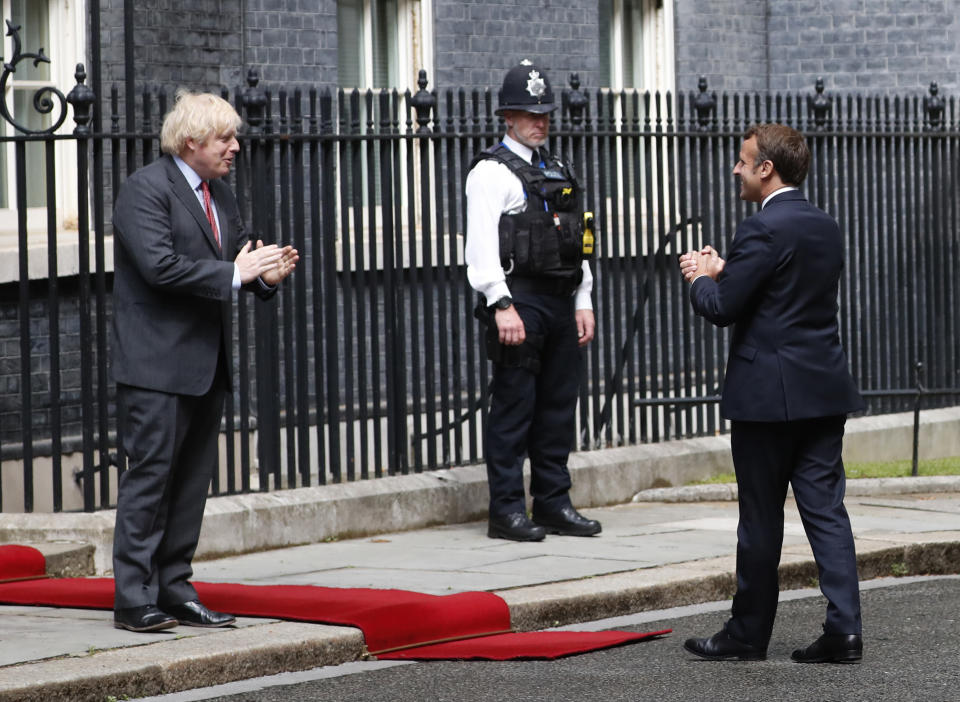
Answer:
(831, 648)
(567, 522)
(143, 618)
(723, 647)
(193, 613)
(515, 527)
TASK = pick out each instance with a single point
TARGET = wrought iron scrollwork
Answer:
(42, 99)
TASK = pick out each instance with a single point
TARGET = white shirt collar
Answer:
(193, 180)
(524, 152)
(776, 192)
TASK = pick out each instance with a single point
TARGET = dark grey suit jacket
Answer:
(172, 284)
(779, 289)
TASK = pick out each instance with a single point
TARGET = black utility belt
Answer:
(541, 286)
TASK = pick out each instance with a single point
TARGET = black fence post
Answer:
(328, 256)
(256, 103)
(378, 228)
(915, 467)
(82, 99)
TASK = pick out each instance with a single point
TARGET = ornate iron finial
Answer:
(82, 99)
(576, 100)
(933, 106)
(819, 105)
(705, 104)
(254, 102)
(423, 102)
(41, 99)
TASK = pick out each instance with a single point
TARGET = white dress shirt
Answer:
(492, 190)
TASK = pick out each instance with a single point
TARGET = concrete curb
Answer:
(859, 487)
(182, 664)
(260, 521)
(274, 647)
(709, 580)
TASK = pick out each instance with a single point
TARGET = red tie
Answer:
(205, 187)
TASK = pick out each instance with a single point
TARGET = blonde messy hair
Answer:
(196, 116)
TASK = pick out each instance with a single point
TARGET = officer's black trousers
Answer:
(533, 414)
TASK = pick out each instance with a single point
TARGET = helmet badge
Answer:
(536, 86)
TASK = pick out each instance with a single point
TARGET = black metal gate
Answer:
(369, 362)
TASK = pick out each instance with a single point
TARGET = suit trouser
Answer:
(534, 414)
(806, 454)
(171, 446)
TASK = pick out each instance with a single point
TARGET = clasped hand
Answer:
(271, 263)
(706, 261)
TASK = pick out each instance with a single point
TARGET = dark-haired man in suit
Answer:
(180, 252)
(787, 392)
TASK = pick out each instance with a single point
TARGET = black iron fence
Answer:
(369, 361)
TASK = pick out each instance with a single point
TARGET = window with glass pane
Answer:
(33, 17)
(621, 31)
(367, 40)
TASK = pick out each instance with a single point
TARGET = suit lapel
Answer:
(181, 188)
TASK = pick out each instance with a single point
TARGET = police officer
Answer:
(525, 256)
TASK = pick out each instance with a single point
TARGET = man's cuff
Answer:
(236, 277)
(582, 300)
(496, 291)
(702, 275)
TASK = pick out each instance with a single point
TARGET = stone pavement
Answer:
(650, 555)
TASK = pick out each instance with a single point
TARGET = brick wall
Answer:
(724, 40)
(888, 46)
(10, 379)
(177, 42)
(885, 46)
(293, 43)
(476, 42)
(207, 44)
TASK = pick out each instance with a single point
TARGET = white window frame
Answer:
(415, 25)
(67, 33)
(654, 31)
(414, 52)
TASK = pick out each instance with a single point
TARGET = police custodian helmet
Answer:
(526, 88)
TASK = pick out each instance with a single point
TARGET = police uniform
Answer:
(524, 248)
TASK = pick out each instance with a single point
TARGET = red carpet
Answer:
(21, 563)
(395, 623)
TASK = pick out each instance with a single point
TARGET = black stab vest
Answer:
(545, 241)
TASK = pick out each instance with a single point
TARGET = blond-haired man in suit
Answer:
(180, 252)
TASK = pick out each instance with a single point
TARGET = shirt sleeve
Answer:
(582, 295)
(491, 190)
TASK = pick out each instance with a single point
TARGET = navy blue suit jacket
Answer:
(779, 289)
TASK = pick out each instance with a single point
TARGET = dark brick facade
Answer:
(476, 42)
(207, 45)
(724, 40)
(875, 46)
(891, 46)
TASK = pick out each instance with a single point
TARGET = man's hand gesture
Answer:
(270, 262)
